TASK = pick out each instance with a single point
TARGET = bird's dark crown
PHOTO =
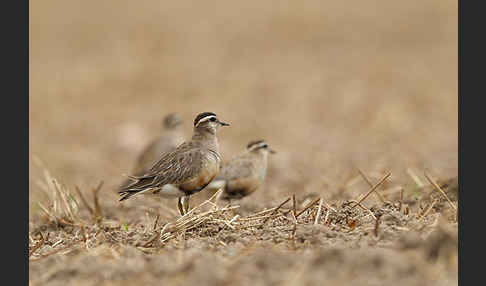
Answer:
(254, 143)
(201, 116)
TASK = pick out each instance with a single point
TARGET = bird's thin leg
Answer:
(179, 206)
(185, 201)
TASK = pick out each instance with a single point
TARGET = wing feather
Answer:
(176, 167)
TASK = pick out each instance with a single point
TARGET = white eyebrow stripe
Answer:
(205, 119)
(256, 146)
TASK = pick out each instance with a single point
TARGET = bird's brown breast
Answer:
(202, 179)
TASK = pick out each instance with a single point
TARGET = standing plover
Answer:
(170, 137)
(186, 170)
(244, 173)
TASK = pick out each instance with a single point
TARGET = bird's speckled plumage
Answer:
(189, 163)
(187, 169)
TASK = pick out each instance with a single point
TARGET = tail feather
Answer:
(127, 194)
(130, 193)
(131, 179)
(124, 185)
(140, 185)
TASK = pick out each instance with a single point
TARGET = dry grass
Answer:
(345, 92)
(217, 231)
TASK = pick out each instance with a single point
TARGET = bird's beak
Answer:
(271, 151)
(224, 123)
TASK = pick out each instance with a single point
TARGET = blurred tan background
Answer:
(330, 85)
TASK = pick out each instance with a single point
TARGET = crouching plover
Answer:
(244, 173)
(186, 170)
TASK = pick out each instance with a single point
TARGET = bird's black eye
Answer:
(265, 146)
(212, 119)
